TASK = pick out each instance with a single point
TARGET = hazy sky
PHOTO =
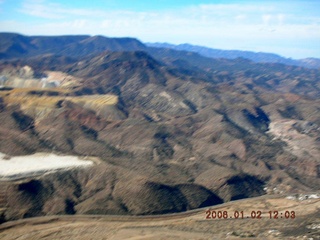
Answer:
(290, 28)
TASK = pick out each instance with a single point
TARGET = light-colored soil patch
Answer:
(298, 144)
(25, 166)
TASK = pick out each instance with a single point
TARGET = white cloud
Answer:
(37, 8)
(240, 17)
(281, 19)
(50, 10)
(266, 18)
(1, 4)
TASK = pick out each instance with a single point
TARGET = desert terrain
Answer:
(165, 135)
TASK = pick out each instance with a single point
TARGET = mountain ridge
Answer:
(14, 45)
(233, 54)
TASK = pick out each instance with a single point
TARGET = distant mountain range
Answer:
(13, 45)
(233, 54)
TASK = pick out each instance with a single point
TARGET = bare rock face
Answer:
(73, 125)
(84, 117)
(155, 98)
(301, 139)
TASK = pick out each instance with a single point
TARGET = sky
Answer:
(289, 28)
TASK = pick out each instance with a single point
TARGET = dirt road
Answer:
(244, 219)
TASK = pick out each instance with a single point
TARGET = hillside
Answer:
(173, 130)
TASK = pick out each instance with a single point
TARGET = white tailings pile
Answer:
(32, 165)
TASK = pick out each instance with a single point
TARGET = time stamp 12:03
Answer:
(213, 214)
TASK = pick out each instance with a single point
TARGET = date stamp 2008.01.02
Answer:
(256, 214)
